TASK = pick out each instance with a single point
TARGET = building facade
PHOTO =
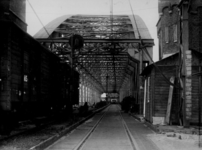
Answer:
(179, 32)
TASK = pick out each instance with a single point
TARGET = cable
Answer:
(48, 33)
(134, 20)
(38, 18)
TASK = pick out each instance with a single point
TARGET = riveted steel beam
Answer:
(63, 40)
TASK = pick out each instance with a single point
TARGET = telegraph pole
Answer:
(186, 65)
(76, 42)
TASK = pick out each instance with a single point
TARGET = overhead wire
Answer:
(38, 17)
(113, 50)
(49, 35)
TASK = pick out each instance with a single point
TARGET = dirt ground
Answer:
(177, 141)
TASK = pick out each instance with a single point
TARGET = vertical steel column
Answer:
(82, 91)
(107, 78)
(94, 92)
(90, 94)
(84, 94)
(71, 75)
(87, 95)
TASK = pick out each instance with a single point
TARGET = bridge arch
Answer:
(112, 57)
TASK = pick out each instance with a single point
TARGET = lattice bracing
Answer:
(104, 57)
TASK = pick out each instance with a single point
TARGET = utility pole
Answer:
(76, 42)
(187, 63)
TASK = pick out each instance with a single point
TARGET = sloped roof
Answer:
(148, 69)
(166, 3)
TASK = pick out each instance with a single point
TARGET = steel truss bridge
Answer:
(104, 59)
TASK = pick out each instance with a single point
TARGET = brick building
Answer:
(168, 28)
(179, 32)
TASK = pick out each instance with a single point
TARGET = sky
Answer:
(48, 10)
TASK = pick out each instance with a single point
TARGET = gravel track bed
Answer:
(25, 142)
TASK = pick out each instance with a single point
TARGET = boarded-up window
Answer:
(175, 33)
(166, 35)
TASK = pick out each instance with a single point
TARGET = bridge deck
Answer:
(108, 130)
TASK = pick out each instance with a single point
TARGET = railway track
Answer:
(129, 135)
(31, 127)
(132, 141)
(79, 146)
(91, 131)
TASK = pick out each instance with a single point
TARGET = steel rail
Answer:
(129, 134)
(83, 141)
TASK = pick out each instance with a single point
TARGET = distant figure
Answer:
(126, 104)
(85, 106)
(83, 110)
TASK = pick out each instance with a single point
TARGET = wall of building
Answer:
(168, 29)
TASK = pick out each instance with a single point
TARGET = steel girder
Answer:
(104, 57)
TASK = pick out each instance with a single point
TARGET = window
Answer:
(175, 32)
(166, 34)
(145, 64)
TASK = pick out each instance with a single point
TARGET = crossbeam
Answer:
(63, 40)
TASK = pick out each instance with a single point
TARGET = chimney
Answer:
(14, 10)
(166, 3)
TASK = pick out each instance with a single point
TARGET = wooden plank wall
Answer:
(159, 99)
(161, 90)
(196, 87)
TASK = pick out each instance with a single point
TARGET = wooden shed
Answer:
(157, 89)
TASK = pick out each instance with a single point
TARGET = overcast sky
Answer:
(48, 10)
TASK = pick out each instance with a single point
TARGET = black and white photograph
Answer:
(100, 75)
